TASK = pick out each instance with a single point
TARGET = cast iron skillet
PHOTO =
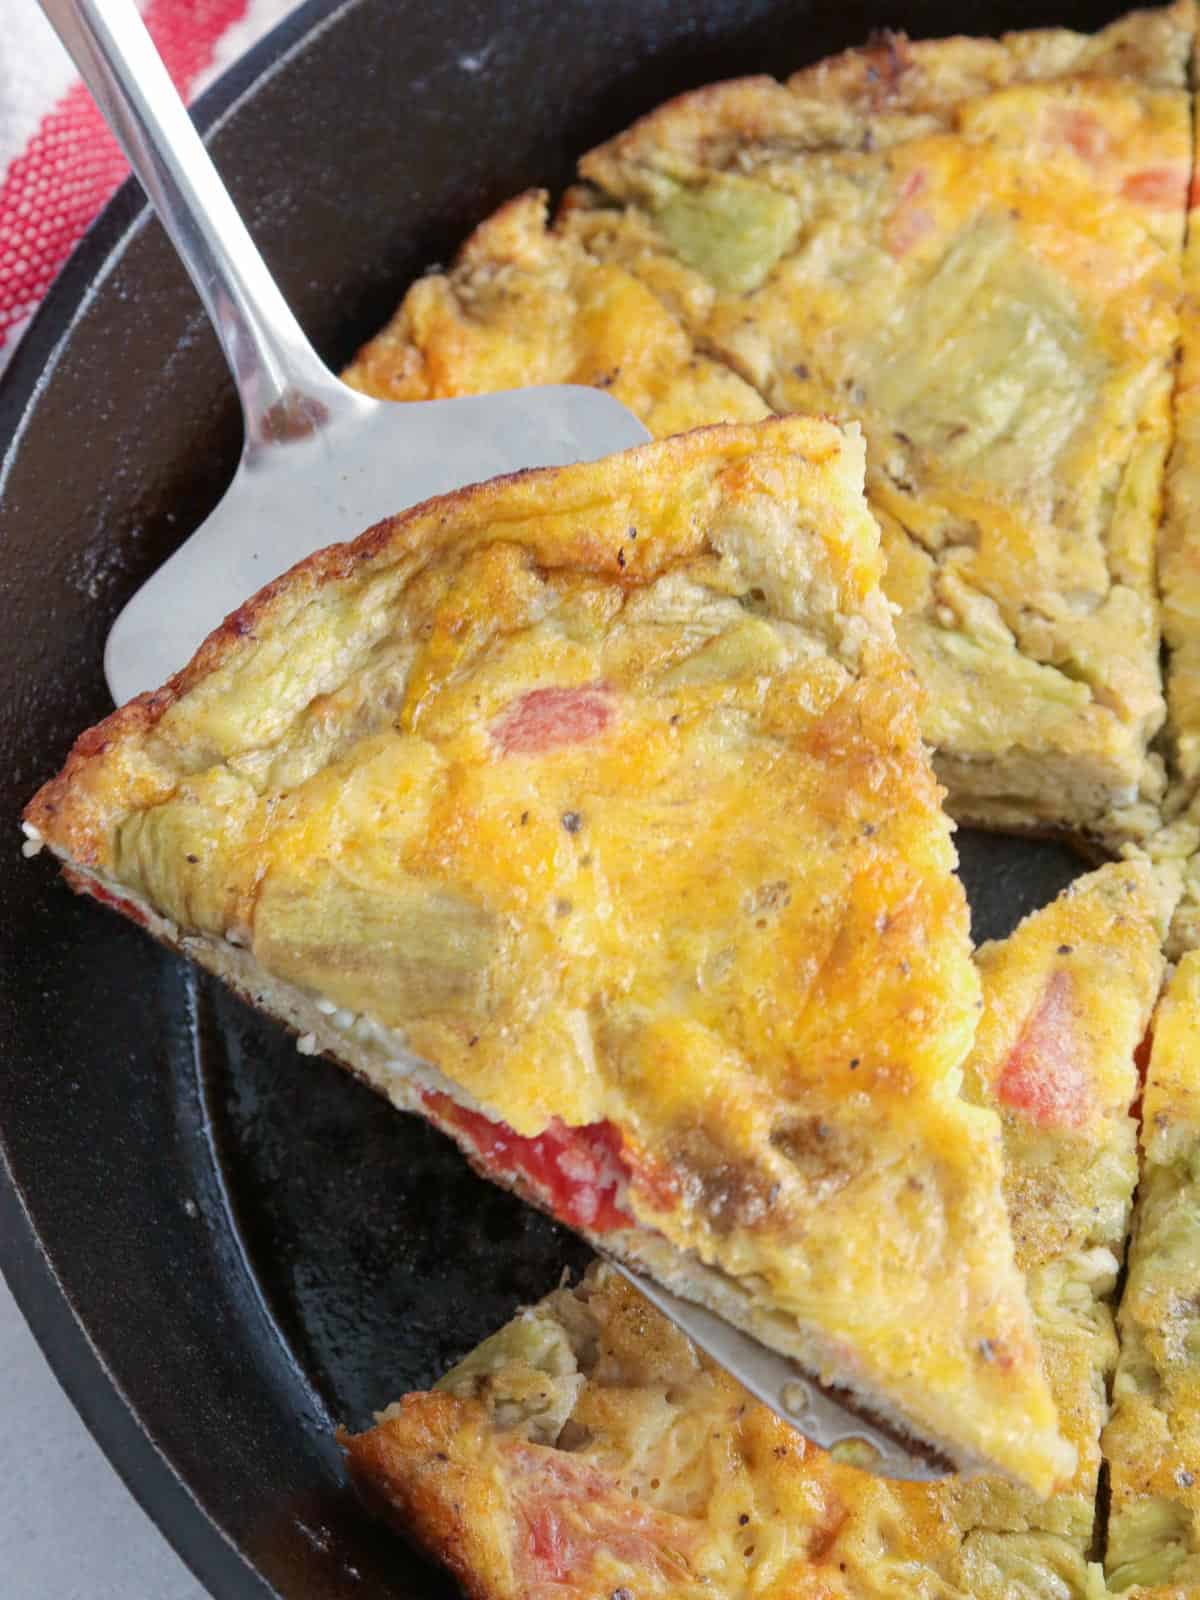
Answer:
(223, 1246)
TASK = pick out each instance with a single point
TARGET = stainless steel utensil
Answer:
(780, 1384)
(320, 462)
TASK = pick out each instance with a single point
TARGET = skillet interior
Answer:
(220, 1244)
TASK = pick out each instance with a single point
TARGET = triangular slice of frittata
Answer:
(586, 813)
(1152, 1443)
(973, 247)
(588, 1445)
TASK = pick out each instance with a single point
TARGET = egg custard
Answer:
(587, 1449)
(1152, 1443)
(586, 813)
(971, 246)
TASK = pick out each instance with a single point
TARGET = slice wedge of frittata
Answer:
(588, 1449)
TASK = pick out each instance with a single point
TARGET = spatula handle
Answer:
(285, 388)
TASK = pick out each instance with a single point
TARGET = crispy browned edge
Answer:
(54, 810)
(403, 1477)
(889, 73)
(51, 810)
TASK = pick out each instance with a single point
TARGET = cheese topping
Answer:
(601, 792)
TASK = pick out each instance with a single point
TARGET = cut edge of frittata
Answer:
(1152, 1441)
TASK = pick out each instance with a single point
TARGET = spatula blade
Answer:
(289, 500)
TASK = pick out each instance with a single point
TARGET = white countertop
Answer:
(69, 1528)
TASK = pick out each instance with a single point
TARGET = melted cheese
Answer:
(759, 1513)
(602, 792)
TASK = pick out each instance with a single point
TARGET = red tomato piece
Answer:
(1043, 1075)
(577, 1171)
(545, 719)
(106, 897)
(1141, 1060)
(1160, 188)
(571, 1511)
(1083, 132)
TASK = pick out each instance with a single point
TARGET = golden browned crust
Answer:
(62, 809)
(1028, 609)
(893, 72)
(428, 1470)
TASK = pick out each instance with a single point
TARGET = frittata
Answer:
(586, 813)
(1152, 1443)
(973, 247)
(589, 1450)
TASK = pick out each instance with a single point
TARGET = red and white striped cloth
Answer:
(58, 162)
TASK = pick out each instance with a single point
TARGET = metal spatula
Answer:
(321, 463)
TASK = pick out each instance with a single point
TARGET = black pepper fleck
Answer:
(524, 818)
(854, 1063)
(743, 1519)
(1066, 949)
(621, 559)
(192, 860)
(472, 1041)
(572, 821)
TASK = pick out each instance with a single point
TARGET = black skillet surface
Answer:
(224, 1246)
